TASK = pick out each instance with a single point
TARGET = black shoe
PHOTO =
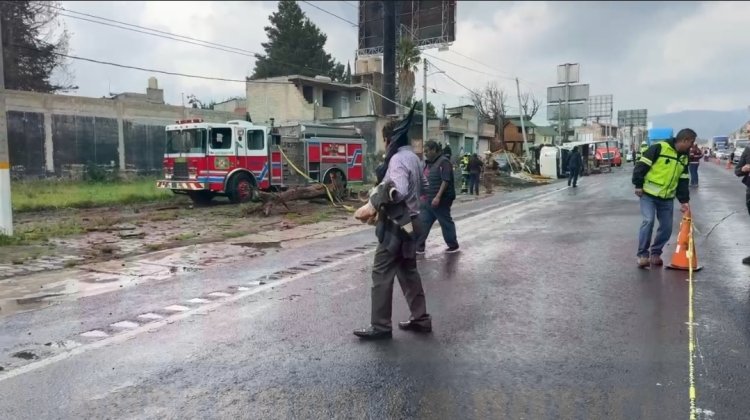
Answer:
(412, 326)
(451, 250)
(746, 261)
(371, 333)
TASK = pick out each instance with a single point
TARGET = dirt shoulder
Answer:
(68, 238)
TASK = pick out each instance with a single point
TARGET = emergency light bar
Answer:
(194, 120)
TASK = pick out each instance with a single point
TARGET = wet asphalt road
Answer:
(542, 315)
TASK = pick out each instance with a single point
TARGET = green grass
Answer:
(50, 195)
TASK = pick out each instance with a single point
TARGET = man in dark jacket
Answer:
(575, 164)
(660, 175)
(742, 169)
(438, 198)
(695, 161)
(475, 168)
(395, 203)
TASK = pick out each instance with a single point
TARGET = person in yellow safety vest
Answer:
(641, 151)
(660, 175)
(465, 173)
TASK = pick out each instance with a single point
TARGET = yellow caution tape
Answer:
(328, 191)
(691, 332)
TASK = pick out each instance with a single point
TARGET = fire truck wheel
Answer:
(201, 197)
(336, 178)
(242, 189)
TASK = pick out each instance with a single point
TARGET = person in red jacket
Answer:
(694, 156)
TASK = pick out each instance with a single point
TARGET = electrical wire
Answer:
(332, 14)
(195, 76)
(149, 29)
(188, 40)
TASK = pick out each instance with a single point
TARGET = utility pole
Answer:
(6, 211)
(424, 102)
(523, 126)
(389, 57)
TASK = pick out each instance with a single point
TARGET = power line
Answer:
(248, 54)
(451, 78)
(148, 29)
(108, 63)
(188, 40)
(467, 68)
(332, 14)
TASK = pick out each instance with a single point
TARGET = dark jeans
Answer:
(747, 199)
(428, 215)
(385, 267)
(693, 167)
(654, 208)
(474, 184)
(573, 176)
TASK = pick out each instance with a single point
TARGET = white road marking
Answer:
(219, 294)
(127, 325)
(150, 316)
(198, 300)
(95, 334)
(176, 308)
(184, 312)
(242, 288)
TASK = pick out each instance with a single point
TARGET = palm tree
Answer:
(407, 63)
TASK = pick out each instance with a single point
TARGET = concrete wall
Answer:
(286, 102)
(280, 101)
(48, 131)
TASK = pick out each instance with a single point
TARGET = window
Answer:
(357, 97)
(186, 141)
(255, 139)
(221, 138)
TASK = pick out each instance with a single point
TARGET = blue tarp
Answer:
(658, 134)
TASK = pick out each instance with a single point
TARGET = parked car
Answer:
(722, 154)
(629, 156)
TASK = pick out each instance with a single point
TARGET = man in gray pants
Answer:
(395, 203)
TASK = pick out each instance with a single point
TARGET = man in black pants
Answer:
(394, 204)
(438, 198)
(743, 169)
(575, 163)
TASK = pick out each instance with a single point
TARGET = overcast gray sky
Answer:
(664, 56)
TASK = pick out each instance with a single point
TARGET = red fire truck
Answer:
(238, 158)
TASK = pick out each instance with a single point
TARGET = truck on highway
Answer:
(237, 158)
(719, 143)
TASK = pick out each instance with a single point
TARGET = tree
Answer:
(348, 73)
(196, 103)
(431, 113)
(530, 105)
(407, 63)
(492, 105)
(295, 46)
(33, 39)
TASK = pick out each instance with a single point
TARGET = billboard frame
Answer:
(411, 18)
(600, 106)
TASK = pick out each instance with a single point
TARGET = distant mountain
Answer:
(706, 123)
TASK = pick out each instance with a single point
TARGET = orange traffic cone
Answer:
(680, 260)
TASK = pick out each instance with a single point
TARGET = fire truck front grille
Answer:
(180, 170)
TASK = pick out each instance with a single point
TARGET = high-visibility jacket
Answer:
(644, 147)
(665, 173)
